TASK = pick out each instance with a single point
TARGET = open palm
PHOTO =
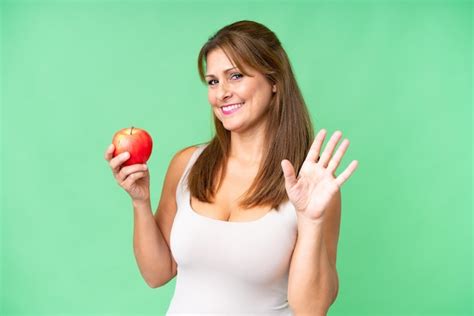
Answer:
(316, 184)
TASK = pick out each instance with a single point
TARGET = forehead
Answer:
(217, 60)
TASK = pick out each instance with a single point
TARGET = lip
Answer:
(230, 104)
(231, 111)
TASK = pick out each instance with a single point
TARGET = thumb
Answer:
(289, 173)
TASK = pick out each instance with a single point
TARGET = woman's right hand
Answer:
(135, 179)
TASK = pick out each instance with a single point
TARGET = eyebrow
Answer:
(210, 75)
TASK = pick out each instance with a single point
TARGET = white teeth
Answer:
(232, 107)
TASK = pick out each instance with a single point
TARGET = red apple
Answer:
(134, 140)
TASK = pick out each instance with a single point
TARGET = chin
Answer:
(228, 125)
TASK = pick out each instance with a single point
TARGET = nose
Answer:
(223, 92)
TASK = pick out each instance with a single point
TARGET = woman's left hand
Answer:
(316, 184)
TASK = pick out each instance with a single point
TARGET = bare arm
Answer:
(151, 237)
(150, 249)
(313, 280)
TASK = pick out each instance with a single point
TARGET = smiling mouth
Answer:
(227, 110)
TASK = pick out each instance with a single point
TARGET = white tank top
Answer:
(230, 268)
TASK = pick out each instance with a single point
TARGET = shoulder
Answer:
(181, 159)
(175, 171)
(183, 155)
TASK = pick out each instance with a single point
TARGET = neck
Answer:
(247, 148)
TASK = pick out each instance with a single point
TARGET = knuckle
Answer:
(113, 164)
(124, 184)
(120, 183)
(122, 173)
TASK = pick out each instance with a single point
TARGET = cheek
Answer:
(245, 91)
(211, 98)
(265, 93)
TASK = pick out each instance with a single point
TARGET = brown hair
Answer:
(289, 131)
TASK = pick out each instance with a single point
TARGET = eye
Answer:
(234, 74)
(237, 74)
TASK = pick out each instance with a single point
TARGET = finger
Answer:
(132, 178)
(336, 159)
(324, 160)
(313, 153)
(117, 161)
(109, 152)
(126, 171)
(288, 173)
(347, 173)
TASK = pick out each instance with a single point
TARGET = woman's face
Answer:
(240, 102)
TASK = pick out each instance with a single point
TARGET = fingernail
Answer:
(126, 154)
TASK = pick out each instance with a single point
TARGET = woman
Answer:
(240, 230)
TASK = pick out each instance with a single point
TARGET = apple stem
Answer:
(131, 130)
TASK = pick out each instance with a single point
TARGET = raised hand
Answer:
(316, 184)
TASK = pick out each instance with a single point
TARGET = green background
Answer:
(394, 77)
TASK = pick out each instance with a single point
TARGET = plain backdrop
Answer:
(394, 76)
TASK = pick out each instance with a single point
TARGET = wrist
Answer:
(141, 203)
(305, 223)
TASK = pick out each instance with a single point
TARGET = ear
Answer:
(274, 89)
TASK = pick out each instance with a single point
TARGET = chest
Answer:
(226, 205)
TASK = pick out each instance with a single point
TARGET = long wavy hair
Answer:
(289, 131)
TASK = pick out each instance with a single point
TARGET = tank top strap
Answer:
(183, 183)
